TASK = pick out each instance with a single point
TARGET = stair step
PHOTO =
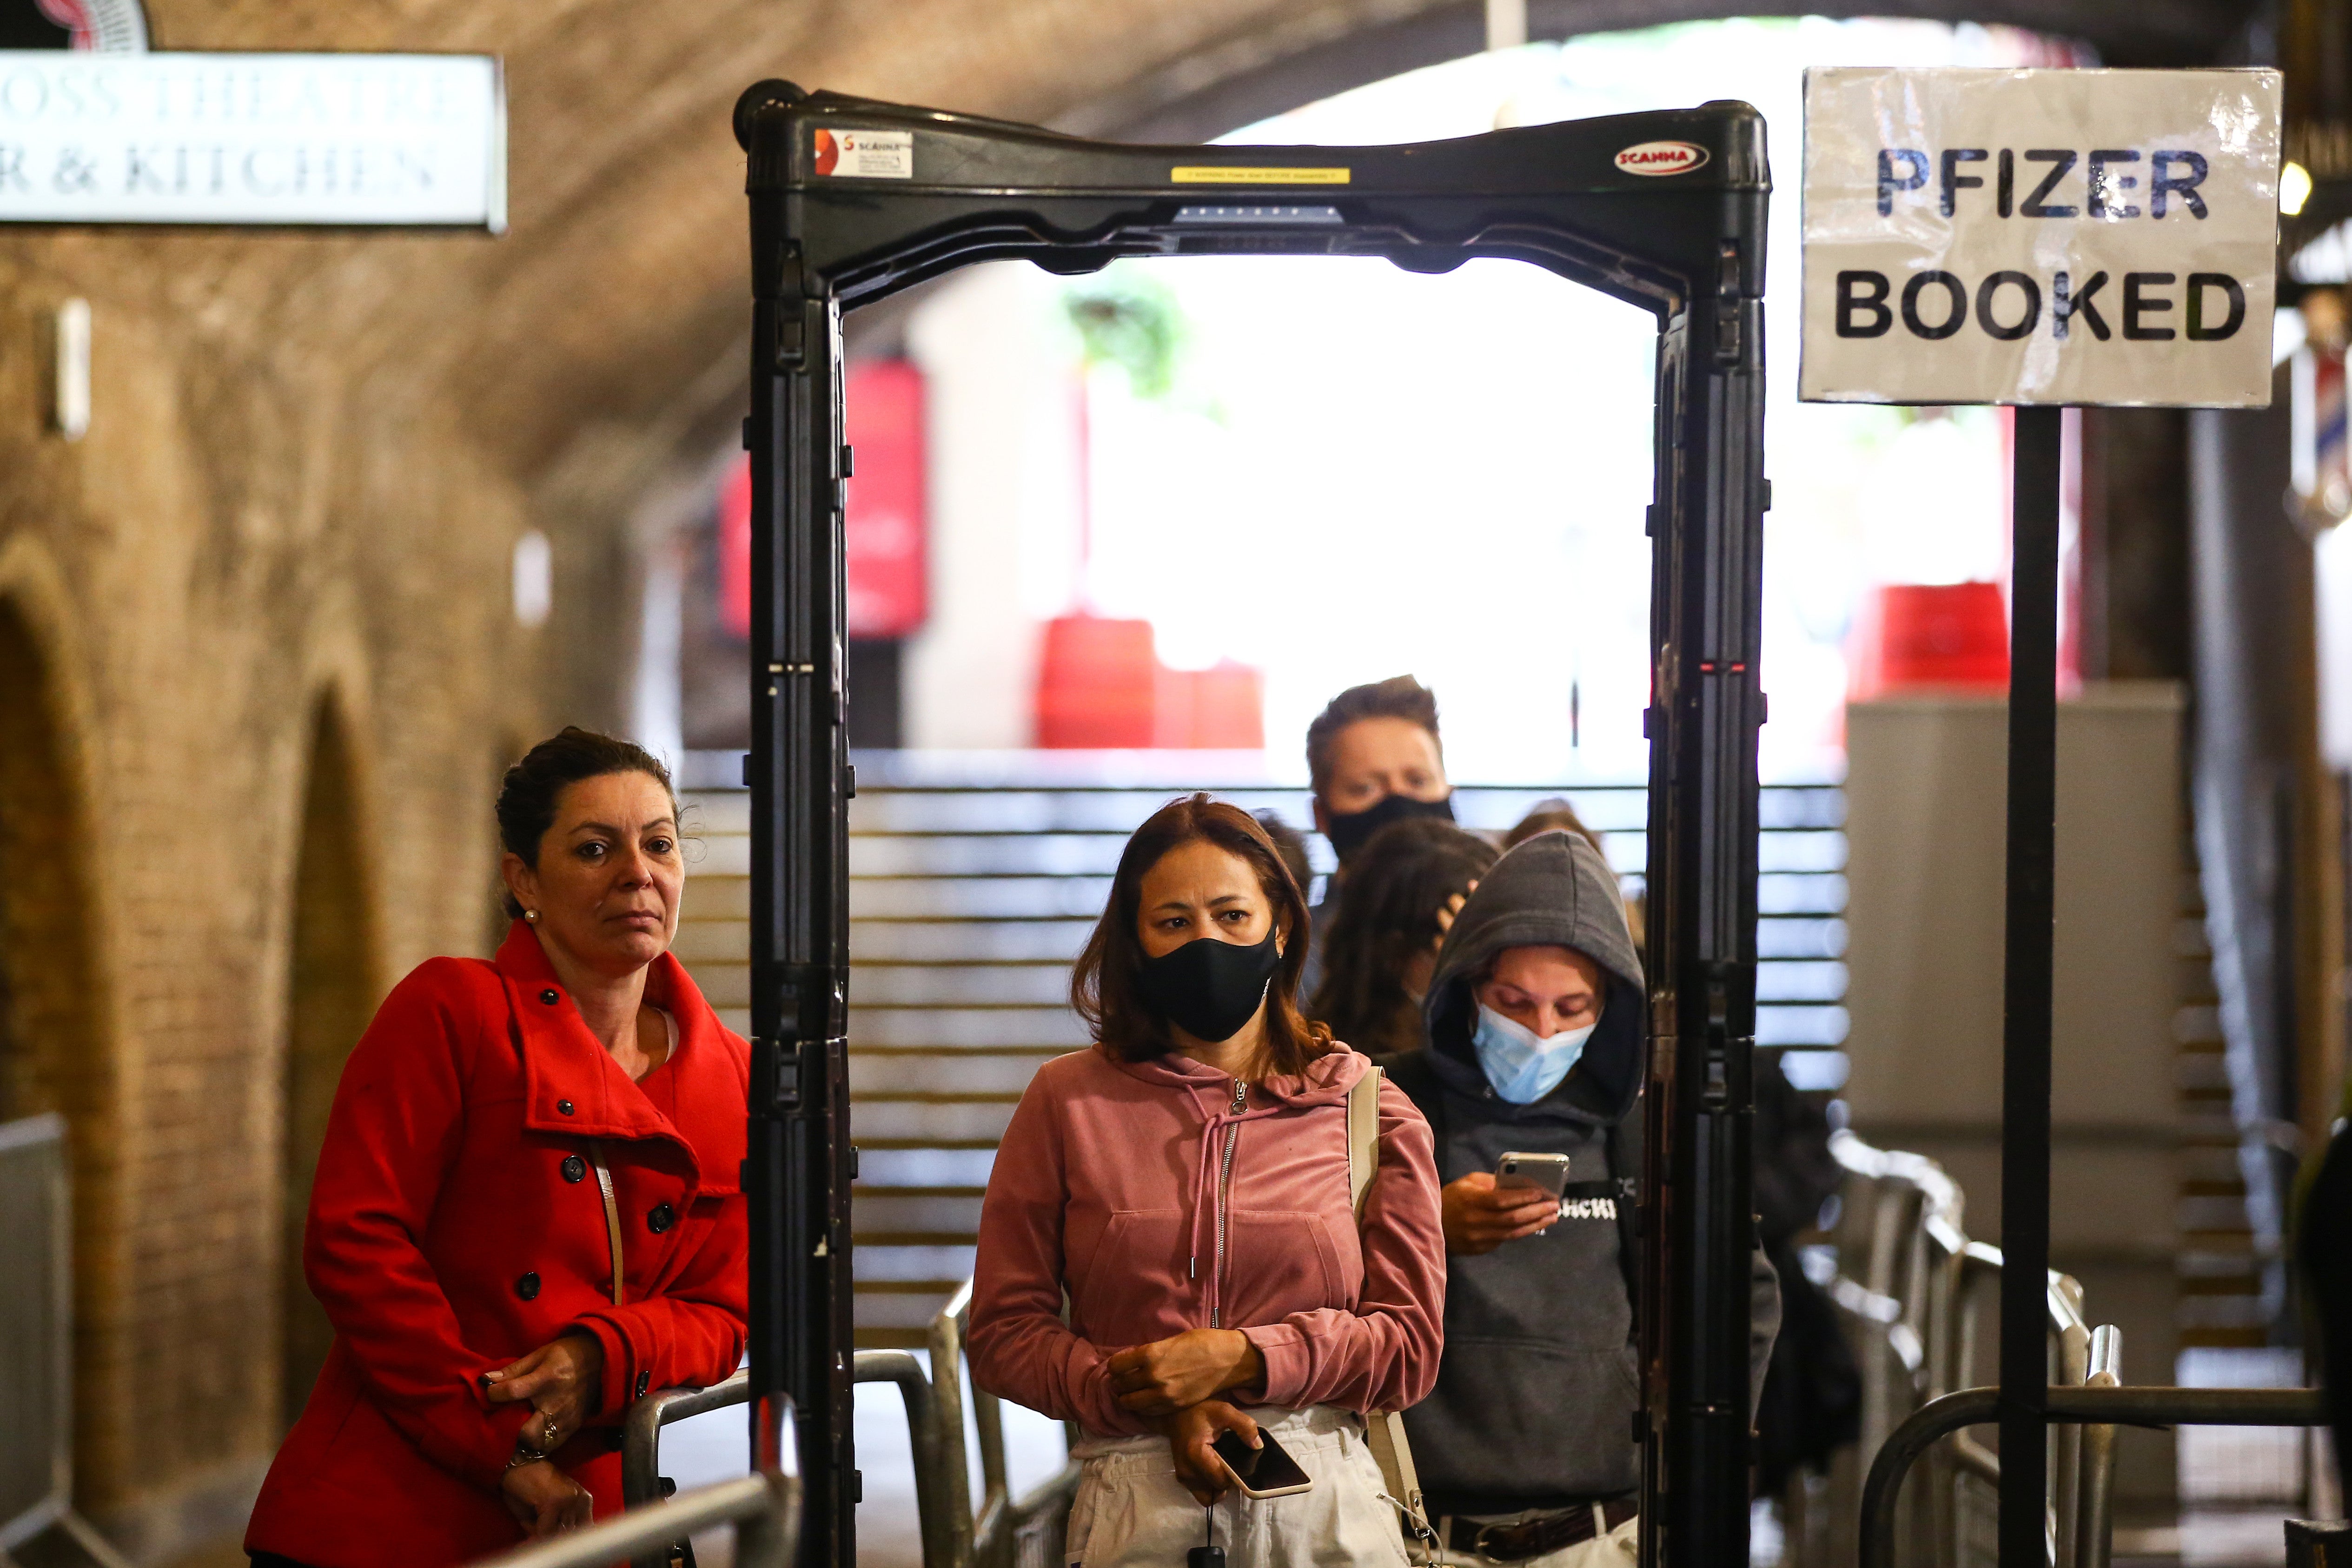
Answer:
(1037, 1028)
(978, 1071)
(900, 1122)
(903, 1214)
(960, 985)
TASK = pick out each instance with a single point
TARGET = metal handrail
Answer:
(985, 1537)
(764, 1508)
(642, 1483)
(2093, 1405)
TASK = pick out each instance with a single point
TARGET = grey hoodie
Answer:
(1534, 1395)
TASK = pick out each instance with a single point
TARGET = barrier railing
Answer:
(1002, 1532)
(764, 1509)
(37, 1348)
(1005, 1531)
(1924, 1307)
(642, 1481)
(1922, 1301)
(2099, 1407)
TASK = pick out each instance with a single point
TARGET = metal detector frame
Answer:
(1687, 246)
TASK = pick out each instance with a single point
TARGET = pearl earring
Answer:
(532, 915)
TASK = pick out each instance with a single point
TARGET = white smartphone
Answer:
(1267, 1471)
(1546, 1172)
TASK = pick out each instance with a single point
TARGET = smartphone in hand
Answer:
(1546, 1172)
(1267, 1471)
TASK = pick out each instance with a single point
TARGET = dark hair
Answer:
(1398, 697)
(1103, 981)
(1554, 815)
(1387, 914)
(533, 787)
(1290, 844)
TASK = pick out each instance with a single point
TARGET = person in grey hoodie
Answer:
(1526, 1449)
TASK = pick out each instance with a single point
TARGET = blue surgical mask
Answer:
(1522, 1065)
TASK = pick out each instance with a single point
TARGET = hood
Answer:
(1553, 891)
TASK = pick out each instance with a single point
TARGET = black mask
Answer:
(1349, 829)
(1208, 989)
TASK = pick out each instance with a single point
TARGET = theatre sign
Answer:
(2040, 237)
(252, 139)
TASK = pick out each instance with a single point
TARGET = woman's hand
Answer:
(1191, 1434)
(1447, 911)
(1164, 1377)
(1479, 1216)
(562, 1379)
(544, 1500)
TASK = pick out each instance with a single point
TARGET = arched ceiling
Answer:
(594, 343)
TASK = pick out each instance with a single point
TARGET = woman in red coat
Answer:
(506, 1138)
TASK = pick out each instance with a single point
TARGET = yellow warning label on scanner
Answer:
(1227, 174)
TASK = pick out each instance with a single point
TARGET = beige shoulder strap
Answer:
(612, 1210)
(1383, 1429)
(1364, 1137)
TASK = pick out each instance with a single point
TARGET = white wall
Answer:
(1001, 367)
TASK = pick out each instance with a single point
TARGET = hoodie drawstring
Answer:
(1205, 1184)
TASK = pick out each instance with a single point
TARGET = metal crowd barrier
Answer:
(1924, 1316)
(37, 1342)
(1004, 1532)
(2098, 1407)
(764, 1509)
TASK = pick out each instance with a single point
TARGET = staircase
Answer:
(974, 880)
(2221, 1268)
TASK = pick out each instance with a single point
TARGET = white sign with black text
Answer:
(2040, 237)
(363, 140)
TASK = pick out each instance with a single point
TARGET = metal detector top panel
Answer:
(1606, 202)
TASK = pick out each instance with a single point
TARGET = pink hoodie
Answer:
(1112, 1183)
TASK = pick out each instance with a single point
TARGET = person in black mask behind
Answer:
(1373, 758)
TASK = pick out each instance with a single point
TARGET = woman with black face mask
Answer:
(1184, 1187)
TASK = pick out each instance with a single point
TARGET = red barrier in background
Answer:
(1909, 635)
(884, 530)
(1100, 686)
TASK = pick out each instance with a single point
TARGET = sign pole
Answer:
(2026, 984)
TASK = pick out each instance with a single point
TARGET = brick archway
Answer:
(55, 1050)
(332, 989)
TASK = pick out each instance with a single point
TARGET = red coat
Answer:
(455, 1224)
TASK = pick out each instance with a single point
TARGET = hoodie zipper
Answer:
(1224, 1192)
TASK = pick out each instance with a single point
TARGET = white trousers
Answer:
(1131, 1512)
(1618, 1547)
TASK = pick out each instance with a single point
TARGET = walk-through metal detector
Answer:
(853, 200)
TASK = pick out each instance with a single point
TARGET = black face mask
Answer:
(1208, 989)
(1349, 829)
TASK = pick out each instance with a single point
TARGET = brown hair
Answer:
(1398, 697)
(1388, 913)
(1103, 982)
(1549, 816)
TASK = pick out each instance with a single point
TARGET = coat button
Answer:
(563, 1107)
(551, 996)
(574, 1167)
(527, 1287)
(661, 1218)
(645, 1381)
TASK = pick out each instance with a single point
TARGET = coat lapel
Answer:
(573, 1087)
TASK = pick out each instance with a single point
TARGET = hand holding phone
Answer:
(1484, 1210)
(1268, 1470)
(1546, 1172)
